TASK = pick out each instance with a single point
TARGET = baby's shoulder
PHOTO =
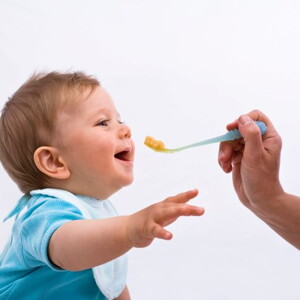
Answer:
(49, 207)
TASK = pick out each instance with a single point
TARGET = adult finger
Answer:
(225, 156)
(251, 134)
(255, 115)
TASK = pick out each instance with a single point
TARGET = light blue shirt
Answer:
(25, 269)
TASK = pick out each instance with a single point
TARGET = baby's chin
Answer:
(129, 181)
(124, 184)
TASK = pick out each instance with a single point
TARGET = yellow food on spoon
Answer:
(154, 144)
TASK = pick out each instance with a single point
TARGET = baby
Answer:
(63, 142)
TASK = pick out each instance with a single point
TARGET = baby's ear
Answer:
(50, 162)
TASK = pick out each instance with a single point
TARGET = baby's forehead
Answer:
(72, 98)
(90, 102)
(76, 95)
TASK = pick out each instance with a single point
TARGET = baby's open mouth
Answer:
(123, 155)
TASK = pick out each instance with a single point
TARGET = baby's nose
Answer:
(125, 131)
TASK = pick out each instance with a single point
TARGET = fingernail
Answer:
(245, 120)
(199, 210)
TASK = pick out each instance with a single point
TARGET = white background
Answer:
(179, 71)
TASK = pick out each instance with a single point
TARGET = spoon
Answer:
(231, 135)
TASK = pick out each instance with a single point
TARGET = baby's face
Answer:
(96, 146)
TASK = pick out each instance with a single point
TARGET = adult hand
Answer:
(254, 162)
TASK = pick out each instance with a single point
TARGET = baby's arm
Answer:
(83, 244)
(124, 295)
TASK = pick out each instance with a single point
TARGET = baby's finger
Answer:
(159, 232)
(171, 213)
(183, 197)
(189, 210)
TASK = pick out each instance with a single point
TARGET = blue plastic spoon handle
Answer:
(235, 133)
(229, 136)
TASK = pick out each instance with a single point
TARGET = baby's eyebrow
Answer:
(107, 113)
(101, 111)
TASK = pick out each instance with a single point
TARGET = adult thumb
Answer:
(251, 134)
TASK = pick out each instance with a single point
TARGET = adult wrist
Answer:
(270, 208)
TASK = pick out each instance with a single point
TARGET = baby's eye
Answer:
(121, 122)
(103, 123)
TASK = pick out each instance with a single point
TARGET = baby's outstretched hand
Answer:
(149, 223)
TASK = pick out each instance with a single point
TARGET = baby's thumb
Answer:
(251, 134)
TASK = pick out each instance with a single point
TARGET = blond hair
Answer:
(28, 120)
